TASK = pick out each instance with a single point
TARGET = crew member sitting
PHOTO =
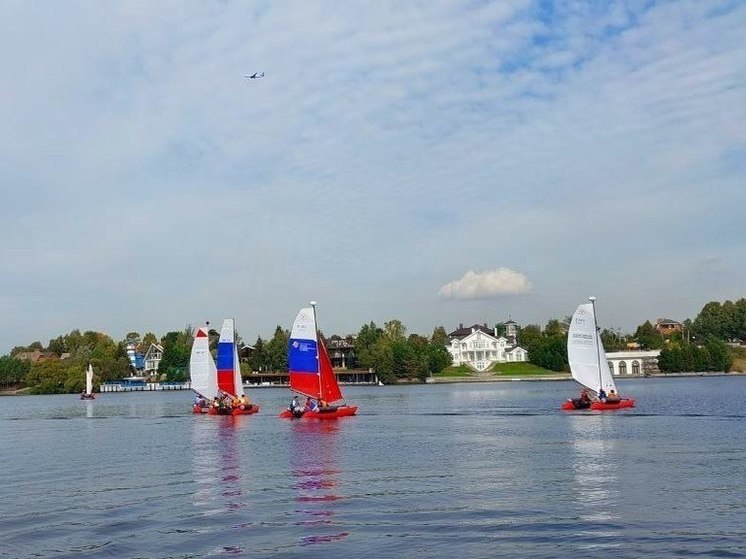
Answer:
(612, 397)
(245, 402)
(601, 395)
(311, 405)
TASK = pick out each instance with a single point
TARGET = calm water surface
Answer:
(467, 471)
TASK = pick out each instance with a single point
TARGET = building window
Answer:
(635, 367)
(622, 367)
(611, 367)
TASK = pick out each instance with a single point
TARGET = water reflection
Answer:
(217, 464)
(315, 473)
(596, 479)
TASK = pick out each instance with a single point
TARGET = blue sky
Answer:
(435, 162)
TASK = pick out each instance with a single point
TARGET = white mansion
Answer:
(480, 347)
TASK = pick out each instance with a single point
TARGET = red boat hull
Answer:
(251, 410)
(340, 411)
(199, 409)
(569, 405)
(624, 403)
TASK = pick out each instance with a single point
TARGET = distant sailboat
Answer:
(588, 363)
(311, 372)
(229, 368)
(202, 371)
(88, 394)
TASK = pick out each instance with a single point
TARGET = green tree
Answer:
(530, 337)
(710, 321)
(648, 337)
(13, 371)
(394, 329)
(554, 328)
(174, 365)
(366, 340)
(550, 353)
(719, 356)
(277, 350)
(58, 345)
(47, 377)
(439, 337)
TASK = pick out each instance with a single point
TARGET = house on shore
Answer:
(479, 346)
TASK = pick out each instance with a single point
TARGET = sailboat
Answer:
(311, 372)
(229, 368)
(88, 394)
(588, 363)
(202, 371)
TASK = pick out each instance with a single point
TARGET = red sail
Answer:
(329, 387)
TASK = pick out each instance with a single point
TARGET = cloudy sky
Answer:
(435, 162)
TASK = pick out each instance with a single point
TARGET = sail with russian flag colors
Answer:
(303, 355)
(202, 370)
(229, 372)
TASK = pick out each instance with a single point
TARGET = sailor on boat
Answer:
(295, 408)
(311, 405)
(613, 397)
(244, 402)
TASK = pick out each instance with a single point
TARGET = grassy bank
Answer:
(498, 370)
(520, 369)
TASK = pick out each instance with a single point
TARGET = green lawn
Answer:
(503, 369)
(517, 369)
(460, 371)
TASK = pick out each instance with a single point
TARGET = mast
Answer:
(595, 340)
(316, 333)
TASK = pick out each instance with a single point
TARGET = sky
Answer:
(437, 162)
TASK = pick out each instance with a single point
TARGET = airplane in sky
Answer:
(255, 75)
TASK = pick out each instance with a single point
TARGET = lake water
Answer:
(435, 471)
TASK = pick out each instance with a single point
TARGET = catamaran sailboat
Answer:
(88, 394)
(588, 363)
(311, 372)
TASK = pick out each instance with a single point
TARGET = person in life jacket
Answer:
(294, 404)
(613, 397)
(311, 405)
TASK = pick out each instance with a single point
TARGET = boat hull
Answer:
(219, 411)
(575, 404)
(87, 397)
(333, 412)
(200, 409)
(623, 403)
(245, 411)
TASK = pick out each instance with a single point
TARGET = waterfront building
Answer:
(341, 351)
(479, 347)
(666, 326)
(153, 357)
(633, 363)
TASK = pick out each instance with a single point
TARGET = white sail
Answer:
(585, 351)
(202, 370)
(89, 380)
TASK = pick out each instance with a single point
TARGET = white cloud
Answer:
(486, 285)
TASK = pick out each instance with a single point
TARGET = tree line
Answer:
(700, 345)
(392, 353)
(388, 350)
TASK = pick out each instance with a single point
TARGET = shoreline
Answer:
(567, 376)
(476, 379)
